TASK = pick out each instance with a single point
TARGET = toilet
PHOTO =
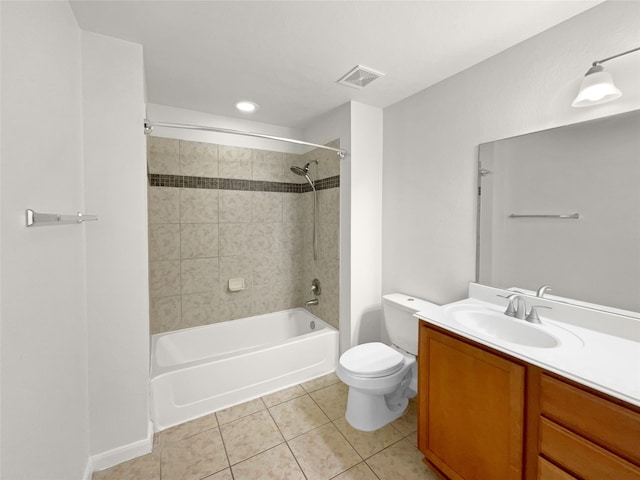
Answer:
(382, 378)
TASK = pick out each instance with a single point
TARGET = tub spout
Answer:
(311, 302)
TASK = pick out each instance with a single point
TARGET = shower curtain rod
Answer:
(148, 128)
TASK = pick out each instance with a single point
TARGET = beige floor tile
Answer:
(146, 467)
(223, 475)
(194, 457)
(320, 382)
(283, 395)
(332, 399)
(238, 411)
(359, 472)
(276, 463)
(188, 429)
(413, 438)
(368, 443)
(401, 460)
(298, 416)
(408, 423)
(250, 435)
(323, 453)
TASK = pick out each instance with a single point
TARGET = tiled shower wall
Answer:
(218, 212)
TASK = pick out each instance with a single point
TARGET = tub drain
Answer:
(312, 325)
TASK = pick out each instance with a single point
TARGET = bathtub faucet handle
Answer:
(315, 287)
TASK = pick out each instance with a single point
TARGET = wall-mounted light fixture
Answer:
(597, 85)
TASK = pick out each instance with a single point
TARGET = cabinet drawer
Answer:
(606, 423)
(581, 457)
(548, 471)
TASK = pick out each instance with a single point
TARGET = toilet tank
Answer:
(402, 326)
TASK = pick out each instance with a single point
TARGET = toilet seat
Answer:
(372, 360)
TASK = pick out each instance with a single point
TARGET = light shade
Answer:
(597, 87)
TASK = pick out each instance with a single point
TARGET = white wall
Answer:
(117, 268)
(431, 139)
(359, 128)
(163, 113)
(45, 424)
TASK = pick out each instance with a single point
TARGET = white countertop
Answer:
(597, 349)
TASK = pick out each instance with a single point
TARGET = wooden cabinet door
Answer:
(471, 409)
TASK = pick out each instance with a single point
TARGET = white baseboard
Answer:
(119, 454)
(88, 470)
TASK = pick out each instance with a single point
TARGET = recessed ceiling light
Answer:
(247, 107)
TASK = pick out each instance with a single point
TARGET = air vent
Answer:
(360, 77)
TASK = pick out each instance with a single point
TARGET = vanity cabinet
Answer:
(584, 435)
(485, 415)
(470, 409)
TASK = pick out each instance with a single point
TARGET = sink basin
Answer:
(489, 322)
(498, 325)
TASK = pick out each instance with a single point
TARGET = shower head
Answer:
(303, 172)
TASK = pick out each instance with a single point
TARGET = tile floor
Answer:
(296, 433)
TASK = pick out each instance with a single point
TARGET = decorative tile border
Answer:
(182, 181)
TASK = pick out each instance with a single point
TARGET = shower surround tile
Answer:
(234, 162)
(164, 278)
(166, 314)
(234, 206)
(245, 209)
(266, 207)
(198, 240)
(198, 205)
(235, 239)
(164, 205)
(199, 275)
(200, 309)
(267, 165)
(164, 241)
(297, 208)
(163, 155)
(198, 159)
(266, 238)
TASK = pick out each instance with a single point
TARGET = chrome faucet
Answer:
(311, 302)
(517, 306)
(533, 317)
(542, 290)
(520, 306)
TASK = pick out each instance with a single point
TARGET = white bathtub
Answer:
(200, 370)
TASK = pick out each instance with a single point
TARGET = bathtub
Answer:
(200, 370)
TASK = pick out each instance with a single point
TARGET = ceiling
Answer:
(288, 55)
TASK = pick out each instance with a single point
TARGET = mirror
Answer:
(561, 207)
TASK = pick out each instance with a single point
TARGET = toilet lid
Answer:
(373, 359)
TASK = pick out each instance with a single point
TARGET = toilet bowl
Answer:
(382, 378)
